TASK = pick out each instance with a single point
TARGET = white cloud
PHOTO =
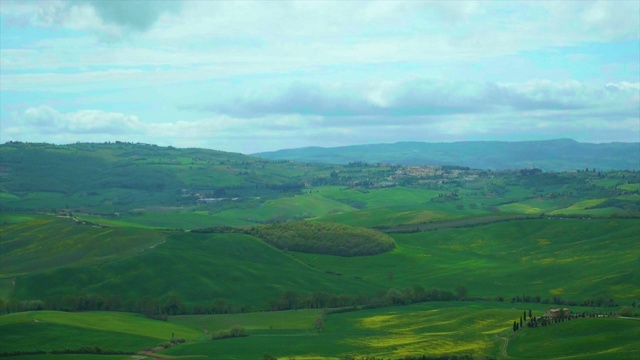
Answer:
(274, 131)
(47, 120)
(304, 34)
(425, 97)
(274, 74)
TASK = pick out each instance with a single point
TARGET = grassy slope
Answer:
(595, 257)
(298, 206)
(429, 328)
(46, 242)
(197, 267)
(167, 219)
(268, 322)
(558, 155)
(392, 206)
(118, 177)
(52, 330)
(584, 339)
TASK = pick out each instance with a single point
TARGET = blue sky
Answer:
(258, 76)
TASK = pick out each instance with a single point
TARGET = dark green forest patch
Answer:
(324, 238)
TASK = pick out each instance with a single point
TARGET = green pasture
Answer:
(606, 183)
(198, 268)
(265, 322)
(404, 215)
(583, 339)
(630, 187)
(439, 328)
(535, 206)
(53, 330)
(100, 200)
(595, 258)
(6, 196)
(436, 328)
(10, 219)
(166, 219)
(292, 207)
(378, 198)
(49, 242)
(117, 322)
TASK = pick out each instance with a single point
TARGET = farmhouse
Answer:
(552, 314)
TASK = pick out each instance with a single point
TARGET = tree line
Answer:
(173, 304)
(598, 301)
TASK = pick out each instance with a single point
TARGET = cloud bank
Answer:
(254, 76)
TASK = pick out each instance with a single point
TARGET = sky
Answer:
(260, 76)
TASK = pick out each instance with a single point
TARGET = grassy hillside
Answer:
(115, 227)
(52, 330)
(433, 329)
(583, 339)
(552, 155)
(43, 243)
(198, 268)
(598, 258)
(444, 328)
(120, 176)
(595, 258)
(163, 187)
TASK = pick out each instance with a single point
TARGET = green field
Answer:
(198, 268)
(596, 258)
(44, 243)
(208, 241)
(52, 330)
(583, 339)
(461, 328)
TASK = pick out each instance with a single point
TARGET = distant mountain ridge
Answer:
(548, 155)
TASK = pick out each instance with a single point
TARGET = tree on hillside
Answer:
(173, 305)
(289, 300)
(461, 292)
(318, 324)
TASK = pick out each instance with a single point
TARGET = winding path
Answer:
(503, 348)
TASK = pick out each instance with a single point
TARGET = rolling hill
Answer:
(408, 260)
(549, 155)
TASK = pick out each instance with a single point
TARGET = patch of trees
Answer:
(324, 238)
(234, 332)
(346, 303)
(218, 230)
(161, 309)
(599, 301)
(553, 317)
